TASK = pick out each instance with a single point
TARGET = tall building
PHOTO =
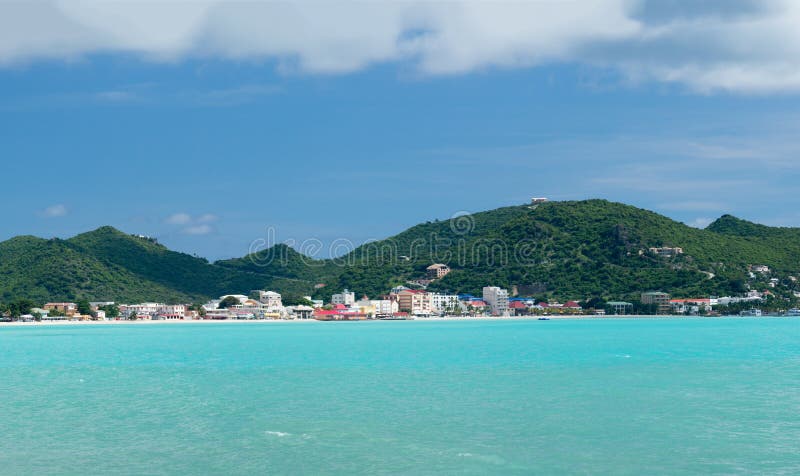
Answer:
(497, 299)
(416, 302)
(346, 297)
(659, 300)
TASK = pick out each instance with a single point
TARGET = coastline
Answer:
(426, 319)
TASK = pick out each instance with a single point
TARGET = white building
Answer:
(173, 309)
(497, 299)
(270, 299)
(300, 312)
(444, 302)
(385, 307)
(347, 298)
(366, 307)
(145, 308)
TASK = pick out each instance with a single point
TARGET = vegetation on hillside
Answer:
(586, 250)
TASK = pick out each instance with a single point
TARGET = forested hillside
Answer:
(576, 250)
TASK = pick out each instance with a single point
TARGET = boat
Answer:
(794, 312)
(341, 317)
(544, 319)
(396, 317)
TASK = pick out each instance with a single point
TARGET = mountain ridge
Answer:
(577, 249)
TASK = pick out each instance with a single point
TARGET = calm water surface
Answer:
(649, 396)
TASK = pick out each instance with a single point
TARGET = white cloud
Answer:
(55, 211)
(179, 219)
(116, 96)
(207, 218)
(191, 225)
(198, 230)
(228, 97)
(748, 46)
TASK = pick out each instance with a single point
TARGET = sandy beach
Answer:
(307, 321)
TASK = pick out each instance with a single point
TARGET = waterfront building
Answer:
(173, 310)
(497, 299)
(442, 303)
(475, 306)
(301, 311)
(518, 308)
(66, 308)
(270, 299)
(385, 307)
(346, 297)
(415, 302)
(148, 309)
(619, 307)
(658, 299)
(690, 306)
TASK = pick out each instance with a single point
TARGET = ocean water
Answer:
(649, 396)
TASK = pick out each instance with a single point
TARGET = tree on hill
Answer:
(111, 310)
(84, 308)
(20, 307)
(295, 299)
(201, 311)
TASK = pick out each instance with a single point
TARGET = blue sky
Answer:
(209, 147)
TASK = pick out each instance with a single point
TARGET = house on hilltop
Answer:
(437, 271)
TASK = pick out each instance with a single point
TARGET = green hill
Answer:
(577, 250)
(45, 270)
(572, 250)
(107, 264)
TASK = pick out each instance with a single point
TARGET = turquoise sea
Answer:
(626, 396)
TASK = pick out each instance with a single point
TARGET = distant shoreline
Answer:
(426, 319)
